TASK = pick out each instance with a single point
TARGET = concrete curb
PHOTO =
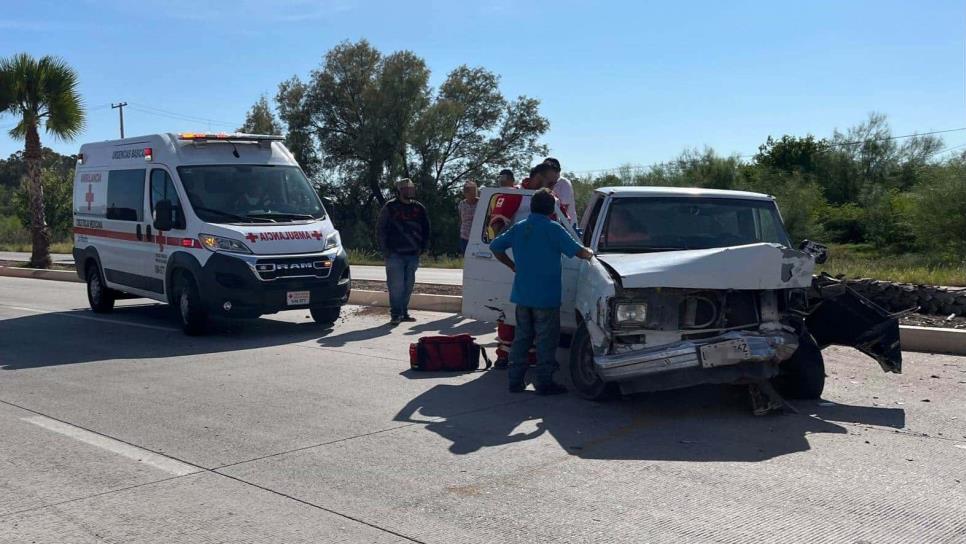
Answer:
(933, 340)
(39, 274)
(419, 301)
(921, 339)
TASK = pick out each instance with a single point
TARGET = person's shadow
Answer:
(706, 423)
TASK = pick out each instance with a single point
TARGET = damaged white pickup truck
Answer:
(688, 286)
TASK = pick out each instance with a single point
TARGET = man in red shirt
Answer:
(506, 206)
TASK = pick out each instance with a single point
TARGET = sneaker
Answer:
(517, 387)
(395, 320)
(551, 389)
(502, 363)
(408, 318)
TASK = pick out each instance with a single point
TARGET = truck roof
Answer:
(186, 148)
(640, 191)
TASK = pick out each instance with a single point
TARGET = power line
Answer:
(151, 110)
(745, 156)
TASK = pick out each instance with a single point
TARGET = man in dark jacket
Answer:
(403, 234)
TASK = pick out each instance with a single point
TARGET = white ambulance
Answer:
(214, 224)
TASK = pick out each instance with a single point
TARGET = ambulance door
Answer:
(486, 281)
(163, 243)
(121, 245)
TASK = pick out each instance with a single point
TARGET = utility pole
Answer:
(120, 107)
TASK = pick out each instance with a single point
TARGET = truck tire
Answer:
(326, 316)
(99, 296)
(190, 308)
(583, 374)
(803, 375)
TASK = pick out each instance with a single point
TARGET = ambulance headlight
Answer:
(218, 243)
(332, 241)
(628, 314)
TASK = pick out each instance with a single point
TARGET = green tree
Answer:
(39, 92)
(58, 202)
(364, 119)
(791, 154)
(260, 119)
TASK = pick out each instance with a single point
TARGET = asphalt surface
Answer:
(120, 429)
(438, 276)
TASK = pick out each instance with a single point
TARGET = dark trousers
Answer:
(400, 279)
(539, 327)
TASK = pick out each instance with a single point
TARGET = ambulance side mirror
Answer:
(164, 215)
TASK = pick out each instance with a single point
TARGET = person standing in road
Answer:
(564, 189)
(537, 243)
(505, 179)
(467, 209)
(403, 235)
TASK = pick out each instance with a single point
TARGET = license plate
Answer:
(298, 298)
(730, 352)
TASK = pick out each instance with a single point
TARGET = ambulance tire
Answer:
(100, 297)
(583, 373)
(803, 375)
(190, 308)
(326, 316)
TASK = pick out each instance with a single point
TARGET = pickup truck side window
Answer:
(592, 221)
(501, 206)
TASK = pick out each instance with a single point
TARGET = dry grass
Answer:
(856, 261)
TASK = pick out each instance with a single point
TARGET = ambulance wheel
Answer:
(326, 316)
(583, 372)
(191, 310)
(803, 375)
(100, 297)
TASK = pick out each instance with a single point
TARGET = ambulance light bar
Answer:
(226, 137)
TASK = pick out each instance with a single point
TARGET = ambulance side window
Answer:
(125, 195)
(162, 188)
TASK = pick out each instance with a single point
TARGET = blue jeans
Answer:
(400, 279)
(540, 327)
(463, 243)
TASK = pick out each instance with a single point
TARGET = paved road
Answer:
(439, 276)
(119, 429)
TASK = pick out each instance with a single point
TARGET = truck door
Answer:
(161, 187)
(121, 244)
(486, 282)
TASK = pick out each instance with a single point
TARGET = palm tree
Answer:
(39, 91)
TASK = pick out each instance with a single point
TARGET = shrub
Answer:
(938, 213)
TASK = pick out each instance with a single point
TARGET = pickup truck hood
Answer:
(753, 266)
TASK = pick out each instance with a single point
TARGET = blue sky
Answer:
(621, 82)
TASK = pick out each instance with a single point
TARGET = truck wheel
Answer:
(803, 375)
(100, 297)
(191, 310)
(326, 316)
(583, 373)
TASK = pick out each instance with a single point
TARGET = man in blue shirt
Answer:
(537, 243)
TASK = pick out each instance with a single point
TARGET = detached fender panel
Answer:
(839, 315)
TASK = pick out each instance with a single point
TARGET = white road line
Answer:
(155, 460)
(60, 313)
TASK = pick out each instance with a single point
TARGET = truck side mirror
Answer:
(164, 215)
(819, 252)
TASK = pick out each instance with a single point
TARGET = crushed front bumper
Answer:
(712, 357)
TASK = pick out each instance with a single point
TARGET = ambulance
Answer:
(217, 225)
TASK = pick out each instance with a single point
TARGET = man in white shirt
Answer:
(563, 189)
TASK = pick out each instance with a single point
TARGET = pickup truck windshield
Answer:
(650, 224)
(250, 194)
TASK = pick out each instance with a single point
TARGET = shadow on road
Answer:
(80, 336)
(707, 423)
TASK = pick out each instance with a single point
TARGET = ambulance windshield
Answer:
(250, 194)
